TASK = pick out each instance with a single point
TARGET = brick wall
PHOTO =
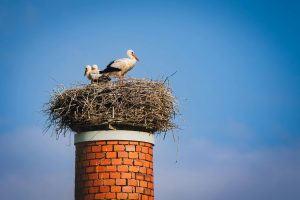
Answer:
(114, 170)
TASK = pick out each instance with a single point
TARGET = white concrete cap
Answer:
(114, 135)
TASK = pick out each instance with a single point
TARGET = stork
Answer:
(92, 73)
(118, 68)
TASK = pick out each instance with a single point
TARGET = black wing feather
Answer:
(110, 69)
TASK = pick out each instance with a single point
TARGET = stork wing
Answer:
(95, 76)
(114, 66)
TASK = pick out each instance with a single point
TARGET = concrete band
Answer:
(114, 135)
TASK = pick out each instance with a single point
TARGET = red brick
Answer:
(89, 197)
(103, 175)
(115, 188)
(111, 155)
(86, 149)
(98, 182)
(107, 148)
(150, 185)
(132, 182)
(139, 176)
(134, 168)
(100, 168)
(142, 156)
(145, 197)
(105, 161)
(93, 189)
(112, 142)
(146, 163)
(109, 182)
(100, 155)
(133, 196)
(93, 176)
(114, 170)
(85, 163)
(139, 189)
(117, 161)
(148, 178)
(126, 175)
(130, 148)
(138, 148)
(100, 196)
(127, 189)
(88, 183)
(96, 148)
(120, 181)
(149, 171)
(122, 196)
(119, 147)
(142, 170)
(90, 169)
(134, 143)
(111, 168)
(147, 144)
(122, 155)
(110, 195)
(123, 168)
(133, 155)
(127, 161)
(90, 156)
(115, 175)
(147, 191)
(148, 157)
(145, 149)
(94, 162)
(138, 162)
(143, 184)
(104, 188)
(151, 165)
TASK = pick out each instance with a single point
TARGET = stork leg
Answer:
(121, 79)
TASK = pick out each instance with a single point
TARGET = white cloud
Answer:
(210, 172)
(36, 166)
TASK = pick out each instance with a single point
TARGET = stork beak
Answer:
(135, 57)
(85, 71)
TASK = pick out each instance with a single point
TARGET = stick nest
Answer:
(137, 104)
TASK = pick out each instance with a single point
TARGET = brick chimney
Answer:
(114, 164)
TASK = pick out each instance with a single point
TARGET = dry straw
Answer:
(137, 104)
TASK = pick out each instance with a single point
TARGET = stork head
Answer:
(131, 54)
(87, 69)
(94, 67)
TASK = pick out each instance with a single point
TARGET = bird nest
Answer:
(135, 104)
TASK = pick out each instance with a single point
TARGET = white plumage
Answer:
(120, 67)
(92, 73)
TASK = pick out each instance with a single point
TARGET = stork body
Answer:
(93, 74)
(118, 68)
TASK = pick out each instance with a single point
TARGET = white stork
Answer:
(87, 71)
(120, 67)
(93, 74)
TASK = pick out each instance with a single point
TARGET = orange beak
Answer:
(135, 57)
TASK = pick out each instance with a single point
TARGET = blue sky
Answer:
(237, 82)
